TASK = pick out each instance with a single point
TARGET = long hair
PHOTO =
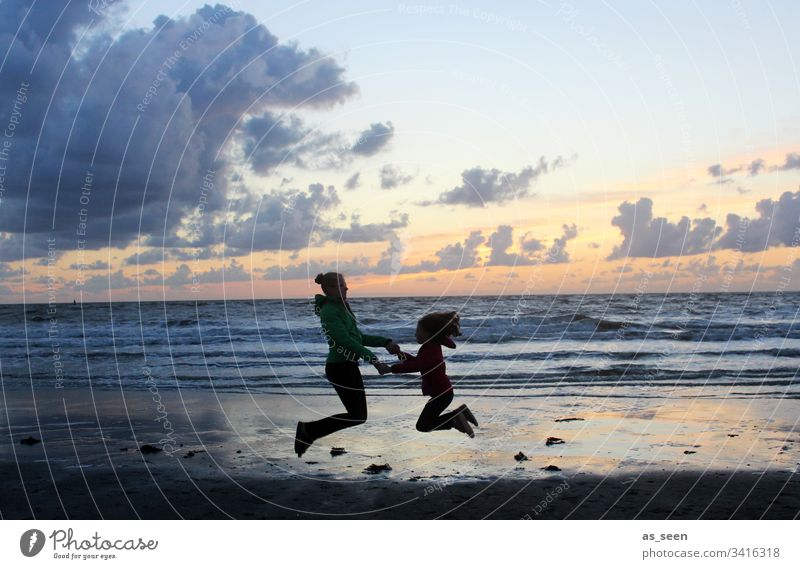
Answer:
(441, 324)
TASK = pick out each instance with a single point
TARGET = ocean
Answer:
(621, 345)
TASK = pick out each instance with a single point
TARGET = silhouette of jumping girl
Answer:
(434, 331)
(346, 346)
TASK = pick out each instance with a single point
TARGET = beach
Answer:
(229, 455)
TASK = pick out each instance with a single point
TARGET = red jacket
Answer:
(430, 362)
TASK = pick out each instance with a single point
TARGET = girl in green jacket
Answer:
(346, 346)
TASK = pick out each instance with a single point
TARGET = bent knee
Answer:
(423, 428)
(359, 418)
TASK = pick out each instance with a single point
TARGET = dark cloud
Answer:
(756, 167)
(151, 256)
(286, 220)
(453, 256)
(8, 272)
(557, 253)
(481, 186)
(499, 243)
(392, 177)
(109, 281)
(502, 240)
(192, 254)
(369, 232)
(95, 266)
(184, 275)
(721, 174)
(373, 139)
(777, 224)
(137, 121)
(792, 162)
(530, 244)
(270, 142)
(181, 277)
(353, 181)
(146, 257)
(646, 236)
(450, 257)
(291, 220)
(308, 270)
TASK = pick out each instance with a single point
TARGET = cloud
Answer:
(721, 174)
(270, 141)
(369, 232)
(481, 186)
(392, 177)
(502, 239)
(146, 257)
(291, 220)
(756, 167)
(353, 181)
(374, 139)
(308, 270)
(530, 244)
(7, 271)
(183, 275)
(138, 117)
(463, 254)
(558, 250)
(777, 224)
(450, 257)
(152, 256)
(792, 162)
(113, 281)
(96, 266)
(646, 236)
(499, 243)
(275, 221)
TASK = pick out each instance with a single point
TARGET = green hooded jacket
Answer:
(345, 340)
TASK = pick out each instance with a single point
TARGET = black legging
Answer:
(433, 417)
(346, 379)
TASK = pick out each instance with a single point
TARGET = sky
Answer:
(236, 150)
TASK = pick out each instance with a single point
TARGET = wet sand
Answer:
(228, 455)
(165, 492)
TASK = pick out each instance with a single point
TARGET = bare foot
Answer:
(468, 415)
(301, 439)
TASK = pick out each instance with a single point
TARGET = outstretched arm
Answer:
(343, 341)
(375, 341)
(416, 363)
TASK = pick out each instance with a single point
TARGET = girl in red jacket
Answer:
(434, 331)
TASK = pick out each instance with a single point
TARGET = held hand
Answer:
(383, 368)
(393, 348)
